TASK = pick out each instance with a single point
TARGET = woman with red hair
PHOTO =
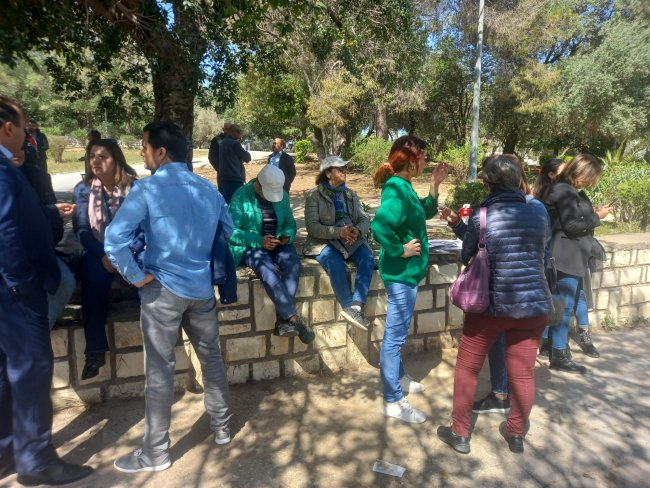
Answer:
(400, 227)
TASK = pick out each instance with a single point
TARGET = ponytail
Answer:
(543, 182)
(384, 172)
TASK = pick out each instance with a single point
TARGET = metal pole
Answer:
(476, 102)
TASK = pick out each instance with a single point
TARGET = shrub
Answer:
(79, 135)
(634, 198)
(606, 191)
(472, 193)
(369, 153)
(129, 141)
(303, 148)
(458, 159)
(57, 146)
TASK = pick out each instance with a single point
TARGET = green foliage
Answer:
(57, 146)
(129, 141)
(303, 148)
(458, 159)
(369, 153)
(634, 198)
(608, 323)
(79, 135)
(472, 193)
(606, 191)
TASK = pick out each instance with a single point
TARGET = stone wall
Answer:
(253, 353)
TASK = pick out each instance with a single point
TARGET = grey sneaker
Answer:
(138, 461)
(404, 411)
(355, 317)
(305, 333)
(409, 385)
(222, 434)
(286, 329)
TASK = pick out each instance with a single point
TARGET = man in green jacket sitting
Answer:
(263, 237)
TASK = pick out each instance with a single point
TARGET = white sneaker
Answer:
(409, 385)
(404, 411)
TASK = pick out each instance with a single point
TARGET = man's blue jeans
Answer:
(498, 369)
(401, 302)
(57, 302)
(574, 301)
(228, 188)
(280, 286)
(334, 264)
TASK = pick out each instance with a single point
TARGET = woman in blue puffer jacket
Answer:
(520, 302)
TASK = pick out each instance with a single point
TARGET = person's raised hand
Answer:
(269, 243)
(412, 248)
(603, 211)
(439, 173)
(449, 215)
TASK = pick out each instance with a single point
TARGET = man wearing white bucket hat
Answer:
(263, 238)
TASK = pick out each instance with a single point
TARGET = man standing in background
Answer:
(41, 143)
(282, 160)
(231, 174)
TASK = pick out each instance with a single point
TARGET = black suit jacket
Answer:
(288, 167)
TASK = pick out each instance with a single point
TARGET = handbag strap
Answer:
(483, 216)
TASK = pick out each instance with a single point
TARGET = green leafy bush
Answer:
(634, 198)
(129, 141)
(57, 146)
(458, 159)
(472, 193)
(303, 148)
(369, 153)
(79, 135)
(606, 191)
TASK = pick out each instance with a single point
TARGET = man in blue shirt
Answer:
(28, 270)
(179, 213)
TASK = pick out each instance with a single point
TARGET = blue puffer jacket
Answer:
(516, 237)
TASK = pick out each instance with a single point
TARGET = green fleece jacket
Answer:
(400, 218)
(247, 220)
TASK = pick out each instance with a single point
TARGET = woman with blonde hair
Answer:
(98, 196)
(574, 220)
(400, 228)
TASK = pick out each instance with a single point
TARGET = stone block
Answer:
(328, 336)
(127, 334)
(325, 286)
(279, 345)
(59, 339)
(245, 348)
(456, 317)
(301, 366)
(242, 294)
(602, 299)
(609, 279)
(333, 360)
(629, 276)
(376, 305)
(628, 312)
(298, 346)
(376, 283)
(129, 389)
(356, 348)
(237, 374)
(377, 330)
(643, 256)
(231, 329)
(266, 370)
(640, 294)
(430, 322)
(644, 310)
(129, 364)
(441, 297)
(78, 346)
(65, 398)
(596, 278)
(61, 377)
(323, 311)
(424, 299)
(626, 295)
(306, 286)
(230, 314)
(92, 395)
(263, 308)
(440, 274)
(182, 359)
(621, 258)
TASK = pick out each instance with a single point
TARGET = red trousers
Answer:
(522, 340)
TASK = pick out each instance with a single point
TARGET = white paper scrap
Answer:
(387, 468)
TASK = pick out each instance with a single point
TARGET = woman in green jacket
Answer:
(400, 227)
(263, 237)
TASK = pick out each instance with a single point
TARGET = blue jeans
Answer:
(574, 302)
(334, 264)
(497, 361)
(401, 302)
(280, 286)
(57, 302)
(228, 188)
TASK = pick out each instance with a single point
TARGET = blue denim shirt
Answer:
(179, 213)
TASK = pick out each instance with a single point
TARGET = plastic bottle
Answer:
(464, 212)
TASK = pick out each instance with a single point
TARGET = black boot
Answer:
(545, 349)
(584, 341)
(561, 360)
(93, 363)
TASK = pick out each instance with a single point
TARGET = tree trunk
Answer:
(317, 141)
(382, 122)
(510, 143)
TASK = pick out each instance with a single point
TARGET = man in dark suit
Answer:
(283, 161)
(28, 270)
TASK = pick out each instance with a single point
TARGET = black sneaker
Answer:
(459, 443)
(584, 341)
(93, 363)
(286, 329)
(492, 404)
(305, 334)
(515, 442)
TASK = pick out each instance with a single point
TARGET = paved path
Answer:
(591, 431)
